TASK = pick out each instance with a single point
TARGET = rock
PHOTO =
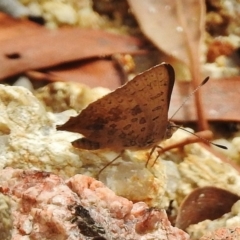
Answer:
(47, 207)
(5, 218)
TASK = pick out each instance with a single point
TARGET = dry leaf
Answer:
(204, 203)
(220, 101)
(47, 48)
(171, 25)
(92, 73)
(15, 27)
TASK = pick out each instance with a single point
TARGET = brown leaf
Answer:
(92, 73)
(171, 25)
(47, 48)
(204, 203)
(220, 100)
(15, 27)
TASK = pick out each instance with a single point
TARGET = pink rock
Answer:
(232, 233)
(45, 207)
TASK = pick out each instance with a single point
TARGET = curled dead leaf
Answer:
(204, 203)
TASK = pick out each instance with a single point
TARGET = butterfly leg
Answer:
(108, 164)
(159, 153)
(151, 152)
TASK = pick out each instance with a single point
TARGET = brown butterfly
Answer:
(134, 116)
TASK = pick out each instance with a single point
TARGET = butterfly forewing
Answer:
(132, 116)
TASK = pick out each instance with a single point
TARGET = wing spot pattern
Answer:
(136, 110)
(127, 127)
(142, 120)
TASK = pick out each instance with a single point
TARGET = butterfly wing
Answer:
(155, 100)
(132, 116)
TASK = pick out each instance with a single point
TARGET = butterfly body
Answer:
(134, 116)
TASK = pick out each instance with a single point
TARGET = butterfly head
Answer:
(171, 128)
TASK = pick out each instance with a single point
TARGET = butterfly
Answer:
(134, 116)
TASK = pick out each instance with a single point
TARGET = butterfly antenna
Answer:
(185, 100)
(203, 139)
(190, 95)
